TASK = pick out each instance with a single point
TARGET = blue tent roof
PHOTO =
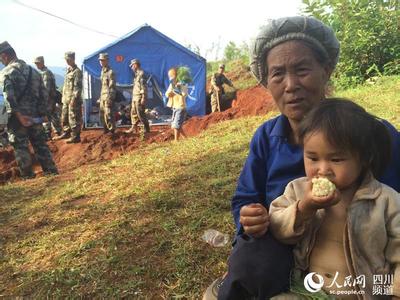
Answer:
(157, 53)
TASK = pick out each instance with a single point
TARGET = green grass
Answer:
(381, 98)
(132, 227)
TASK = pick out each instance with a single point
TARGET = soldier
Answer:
(139, 97)
(217, 88)
(72, 101)
(50, 85)
(107, 94)
(25, 98)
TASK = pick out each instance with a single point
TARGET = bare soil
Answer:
(96, 146)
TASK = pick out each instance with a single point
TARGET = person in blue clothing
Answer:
(293, 58)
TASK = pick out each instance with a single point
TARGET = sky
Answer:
(204, 23)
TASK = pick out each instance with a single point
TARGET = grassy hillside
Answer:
(237, 71)
(381, 98)
(132, 227)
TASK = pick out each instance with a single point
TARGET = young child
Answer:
(348, 232)
(176, 94)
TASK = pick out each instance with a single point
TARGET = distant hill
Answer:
(59, 73)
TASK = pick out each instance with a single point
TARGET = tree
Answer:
(233, 52)
(368, 32)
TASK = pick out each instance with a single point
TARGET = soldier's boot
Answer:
(64, 135)
(49, 167)
(75, 138)
(111, 130)
(28, 176)
(50, 172)
(58, 133)
(27, 173)
(134, 129)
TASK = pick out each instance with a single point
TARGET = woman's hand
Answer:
(254, 219)
(310, 204)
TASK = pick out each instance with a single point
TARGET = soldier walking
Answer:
(50, 85)
(26, 103)
(217, 88)
(139, 97)
(72, 101)
(107, 94)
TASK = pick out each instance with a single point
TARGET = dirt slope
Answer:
(97, 147)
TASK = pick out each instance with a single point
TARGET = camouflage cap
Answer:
(318, 35)
(5, 46)
(39, 59)
(103, 56)
(222, 66)
(69, 54)
(134, 61)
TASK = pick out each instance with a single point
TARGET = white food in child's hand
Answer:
(322, 187)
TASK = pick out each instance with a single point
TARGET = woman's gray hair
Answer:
(313, 32)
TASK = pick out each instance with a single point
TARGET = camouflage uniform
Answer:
(139, 93)
(33, 104)
(218, 80)
(53, 112)
(72, 102)
(107, 96)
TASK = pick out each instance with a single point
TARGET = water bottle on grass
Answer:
(215, 238)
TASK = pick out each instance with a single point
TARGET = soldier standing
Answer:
(217, 88)
(107, 94)
(72, 101)
(139, 97)
(26, 103)
(50, 85)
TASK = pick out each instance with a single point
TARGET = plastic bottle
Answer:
(215, 238)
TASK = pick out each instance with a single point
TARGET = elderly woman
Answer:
(293, 58)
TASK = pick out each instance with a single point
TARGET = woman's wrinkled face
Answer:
(296, 80)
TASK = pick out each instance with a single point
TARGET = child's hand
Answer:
(254, 219)
(311, 203)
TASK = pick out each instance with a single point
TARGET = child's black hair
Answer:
(349, 127)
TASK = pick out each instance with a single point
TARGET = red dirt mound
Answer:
(251, 102)
(96, 146)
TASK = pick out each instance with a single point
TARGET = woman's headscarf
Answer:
(315, 33)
